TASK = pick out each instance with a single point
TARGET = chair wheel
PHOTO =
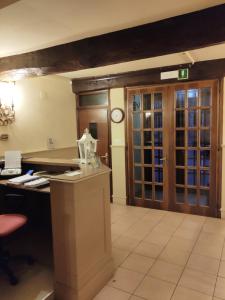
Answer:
(13, 280)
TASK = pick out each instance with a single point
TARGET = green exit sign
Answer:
(183, 74)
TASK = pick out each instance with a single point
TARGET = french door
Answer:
(173, 147)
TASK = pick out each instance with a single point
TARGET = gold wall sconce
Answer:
(7, 112)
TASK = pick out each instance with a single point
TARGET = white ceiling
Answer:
(208, 53)
(29, 25)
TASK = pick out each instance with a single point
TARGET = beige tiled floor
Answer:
(158, 255)
(163, 255)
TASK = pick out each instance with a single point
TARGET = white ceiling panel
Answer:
(208, 53)
(29, 25)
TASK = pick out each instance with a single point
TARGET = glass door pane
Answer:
(193, 114)
(147, 125)
(173, 147)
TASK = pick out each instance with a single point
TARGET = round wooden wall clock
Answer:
(117, 115)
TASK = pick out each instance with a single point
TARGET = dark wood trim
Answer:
(220, 142)
(205, 70)
(170, 148)
(126, 145)
(5, 3)
(177, 34)
(110, 143)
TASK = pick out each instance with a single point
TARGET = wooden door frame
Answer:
(221, 99)
(219, 113)
(78, 108)
(156, 204)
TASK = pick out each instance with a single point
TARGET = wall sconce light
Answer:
(7, 113)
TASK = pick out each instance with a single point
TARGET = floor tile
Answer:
(167, 236)
(125, 243)
(223, 254)
(135, 298)
(155, 289)
(222, 269)
(166, 271)
(111, 293)
(156, 238)
(186, 233)
(214, 226)
(211, 238)
(119, 228)
(182, 293)
(152, 218)
(164, 228)
(126, 280)
(220, 288)
(208, 249)
(181, 244)
(199, 281)
(148, 249)
(204, 263)
(173, 219)
(114, 236)
(138, 231)
(138, 263)
(119, 256)
(196, 218)
(174, 256)
(191, 224)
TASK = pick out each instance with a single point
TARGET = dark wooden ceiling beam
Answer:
(205, 70)
(4, 3)
(186, 32)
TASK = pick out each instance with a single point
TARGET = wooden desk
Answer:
(80, 208)
(4, 183)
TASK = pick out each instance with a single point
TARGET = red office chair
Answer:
(9, 223)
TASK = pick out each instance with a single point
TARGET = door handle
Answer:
(163, 159)
(105, 156)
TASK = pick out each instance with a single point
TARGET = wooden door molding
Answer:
(170, 146)
(80, 109)
(163, 204)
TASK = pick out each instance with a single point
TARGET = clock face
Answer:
(117, 115)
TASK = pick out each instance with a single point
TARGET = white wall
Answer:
(118, 149)
(45, 107)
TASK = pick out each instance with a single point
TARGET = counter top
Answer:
(87, 171)
(64, 174)
(50, 161)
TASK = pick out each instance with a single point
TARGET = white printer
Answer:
(12, 164)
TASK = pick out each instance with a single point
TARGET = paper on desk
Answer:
(12, 160)
(73, 173)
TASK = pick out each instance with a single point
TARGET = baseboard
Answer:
(119, 200)
(222, 211)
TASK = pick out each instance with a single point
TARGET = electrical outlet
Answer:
(50, 143)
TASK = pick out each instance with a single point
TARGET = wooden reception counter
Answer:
(80, 208)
